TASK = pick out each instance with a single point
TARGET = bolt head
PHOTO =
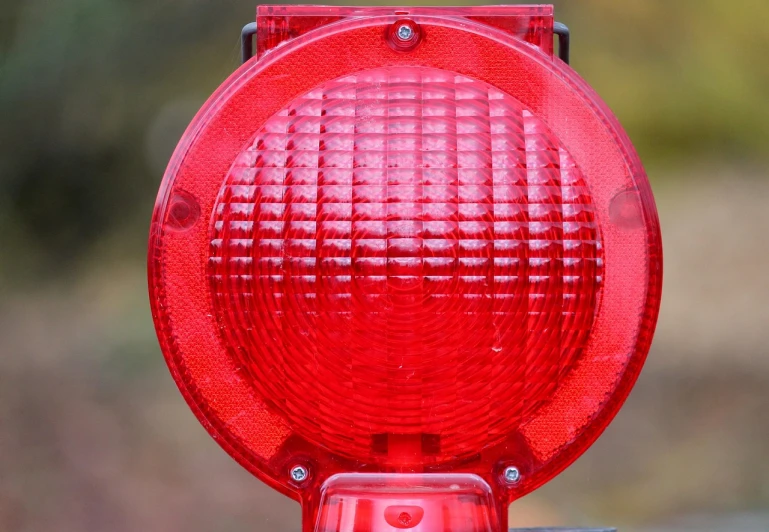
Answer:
(299, 474)
(512, 475)
(405, 32)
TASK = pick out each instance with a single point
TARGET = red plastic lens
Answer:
(443, 258)
(406, 263)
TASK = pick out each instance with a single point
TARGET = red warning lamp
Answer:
(405, 266)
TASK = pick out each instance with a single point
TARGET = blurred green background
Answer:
(94, 95)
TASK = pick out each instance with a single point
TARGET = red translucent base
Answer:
(419, 503)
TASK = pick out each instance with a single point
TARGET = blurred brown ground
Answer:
(95, 437)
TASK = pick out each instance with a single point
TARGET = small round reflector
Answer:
(438, 256)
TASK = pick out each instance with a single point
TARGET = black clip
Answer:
(247, 42)
(564, 41)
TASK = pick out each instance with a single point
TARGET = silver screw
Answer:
(405, 32)
(299, 473)
(512, 475)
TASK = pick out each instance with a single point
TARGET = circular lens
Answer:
(405, 253)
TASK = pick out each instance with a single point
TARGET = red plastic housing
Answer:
(405, 240)
(277, 24)
(420, 503)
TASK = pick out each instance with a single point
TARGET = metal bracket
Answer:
(564, 41)
(247, 42)
(249, 30)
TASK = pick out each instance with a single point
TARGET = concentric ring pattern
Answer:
(406, 265)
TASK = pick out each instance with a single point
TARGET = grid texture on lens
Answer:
(405, 263)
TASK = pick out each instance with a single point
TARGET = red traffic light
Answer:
(405, 241)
